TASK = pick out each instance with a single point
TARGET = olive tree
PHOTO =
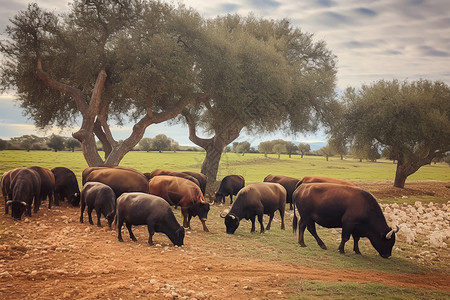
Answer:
(260, 75)
(103, 61)
(411, 119)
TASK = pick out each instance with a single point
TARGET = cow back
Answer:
(120, 180)
(175, 189)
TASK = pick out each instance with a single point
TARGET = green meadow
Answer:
(281, 245)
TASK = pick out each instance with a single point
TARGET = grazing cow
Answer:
(66, 186)
(121, 180)
(25, 186)
(47, 184)
(7, 177)
(88, 170)
(255, 200)
(202, 179)
(101, 197)
(322, 179)
(158, 172)
(229, 186)
(289, 183)
(184, 193)
(342, 206)
(150, 210)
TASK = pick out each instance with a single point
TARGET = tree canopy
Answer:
(412, 119)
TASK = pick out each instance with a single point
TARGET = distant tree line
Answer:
(33, 142)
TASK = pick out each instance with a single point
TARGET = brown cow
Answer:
(322, 179)
(184, 193)
(158, 172)
(202, 179)
(88, 171)
(289, 183)
(121, 180)
(342, 206)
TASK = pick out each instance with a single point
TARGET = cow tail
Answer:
(294, 220)
(114, 223)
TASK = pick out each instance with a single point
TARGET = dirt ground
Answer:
(52, 256)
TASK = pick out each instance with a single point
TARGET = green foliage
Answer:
(56, 142)
(161, 143)
(72, 143)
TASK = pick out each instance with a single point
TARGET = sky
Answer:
(372, 39)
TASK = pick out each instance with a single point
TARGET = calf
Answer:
(342, 206)
(150, 210)
(255, 200)
(25, 186)
(101, 197)
(229, 186)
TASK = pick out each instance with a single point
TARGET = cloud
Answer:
(430, 51)
(366, 12)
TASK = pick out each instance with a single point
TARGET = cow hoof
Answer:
(120, 240)
(323, 247)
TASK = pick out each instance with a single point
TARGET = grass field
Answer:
(280, 245)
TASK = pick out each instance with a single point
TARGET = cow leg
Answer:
(312, 229)
(99, 215)
(282, 217)
(128, 225)
(6, 205)
(231, 199)
(270, 221)
(205, 229)
(28, 210)
(119, 228)
(355, 243)
(260, 220)
(301, 232)
(89, 211)
(151, 232)
(252, 219)
(346, 231)
(83, 205)
(37, 204)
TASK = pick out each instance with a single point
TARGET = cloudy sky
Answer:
(372, 39)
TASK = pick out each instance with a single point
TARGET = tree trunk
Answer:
(402, 172)
(210, 165)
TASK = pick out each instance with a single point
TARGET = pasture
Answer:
(51, 255)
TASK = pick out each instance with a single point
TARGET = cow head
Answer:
(231, 223)
(17, 208)
(178, 237)
(110, 217)
(384, 243)
(203, 210)
(220, 198)
(75, 199)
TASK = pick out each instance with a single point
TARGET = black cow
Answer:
(25, 186)
(145, 209)
(47, 184)
(229, 186)
(255, 200)
(7, 177)
(101, 197)
(289, 183)
(342, 206)
(66, 186)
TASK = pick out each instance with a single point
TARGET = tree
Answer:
(303, 148)
(161, 142)
(338, 143)
(56, 142)
(412, 119)
(279, 148)
(174, 146)
(26, 141)
(265, 147)
(326, 151)
(72, 144)
(3, 144)
(291, 148)
(104, 61)
(146, 144)
(261, 75)
(243, 147)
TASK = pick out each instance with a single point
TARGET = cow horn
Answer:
(224, 213)
(76, 194)
(8, 203)
(23, 203)
(390, 233)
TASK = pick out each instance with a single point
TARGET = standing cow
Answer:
(66, 186)
(229, 186)
(289, 183)
(342, 206)
(184, 193)
(7, 177)
(202, 179)
(150, 210)
(98, 196)
(25, 186)
(323, 179)
(121, 180)
(47, 184)
(254, 200)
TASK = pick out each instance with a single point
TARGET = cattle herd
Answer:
(125, 195)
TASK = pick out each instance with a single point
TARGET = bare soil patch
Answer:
(52, 256)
